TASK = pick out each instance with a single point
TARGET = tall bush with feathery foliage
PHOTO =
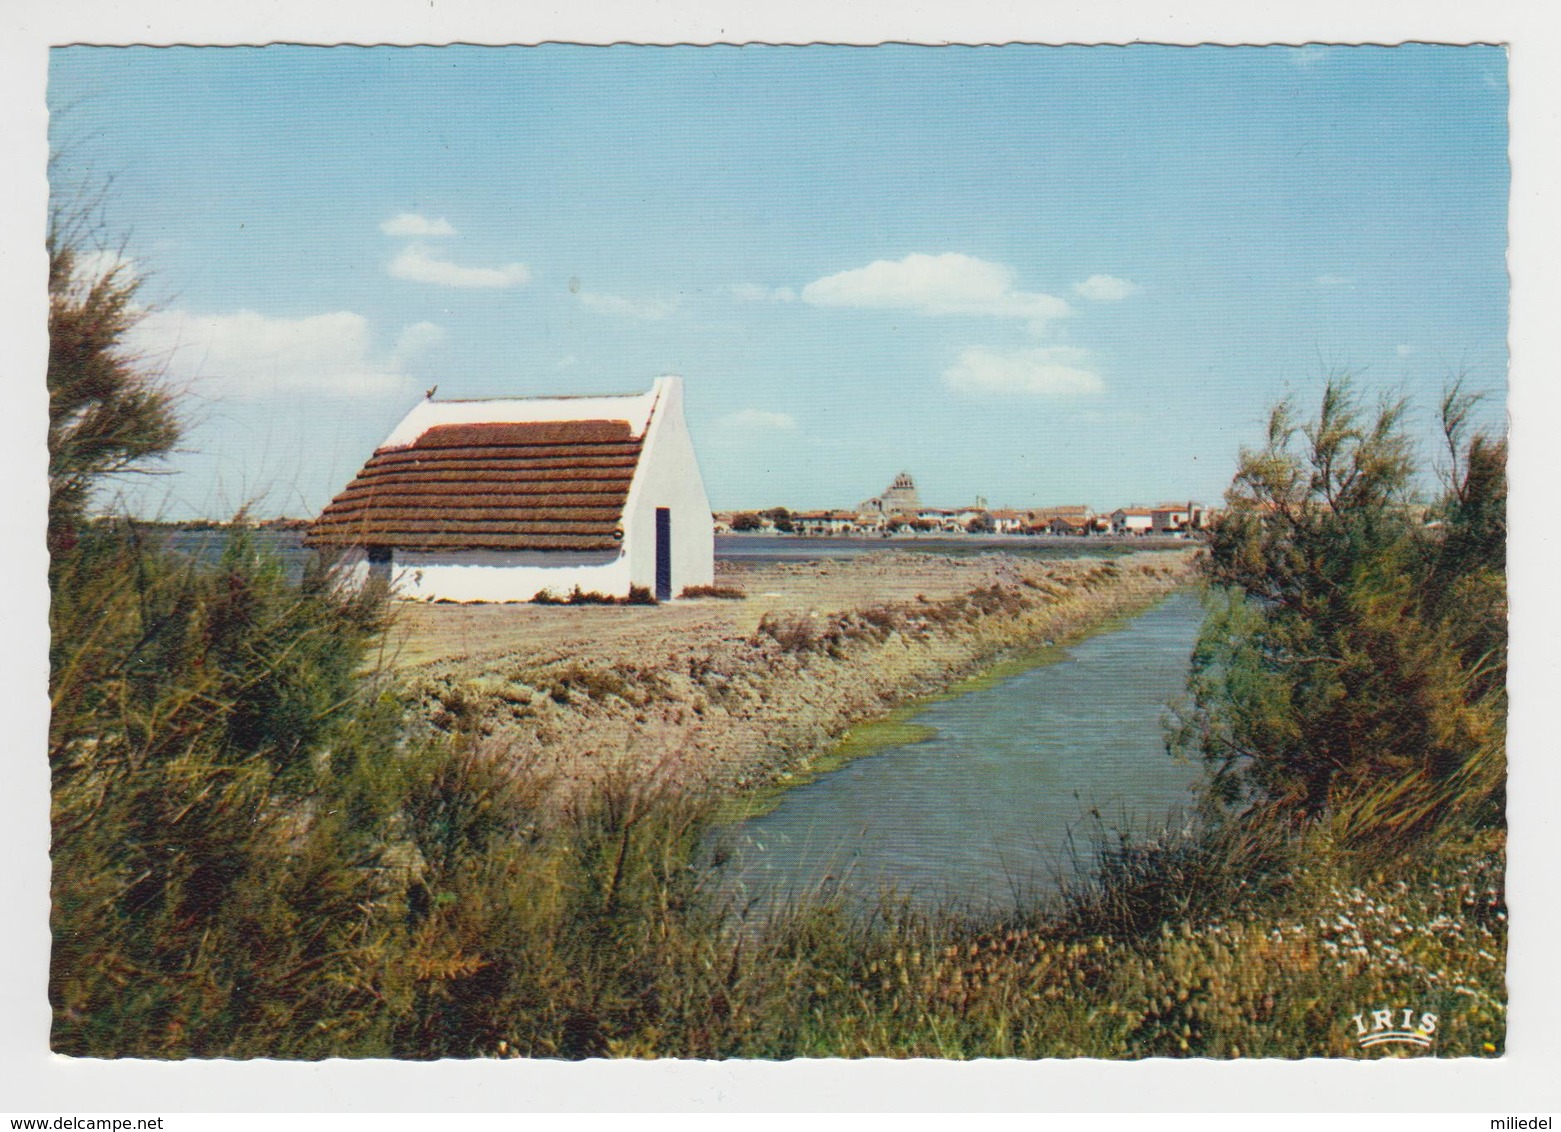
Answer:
(1355, 659)
(218, 803)
(107, 416)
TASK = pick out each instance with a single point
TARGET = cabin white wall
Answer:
(353, 566)
(668, 476)
(493, 575)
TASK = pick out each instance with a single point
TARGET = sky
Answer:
(1037, 275)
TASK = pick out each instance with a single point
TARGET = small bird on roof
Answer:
(429, 395)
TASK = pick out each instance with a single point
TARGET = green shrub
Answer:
(218, 788)
(107, 417)
(1356, 656)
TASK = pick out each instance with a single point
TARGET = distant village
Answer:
(899, 510)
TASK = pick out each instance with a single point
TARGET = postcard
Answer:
(568, 552)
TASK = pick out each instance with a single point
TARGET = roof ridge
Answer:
(553, 397)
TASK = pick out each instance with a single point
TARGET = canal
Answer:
(980, 806)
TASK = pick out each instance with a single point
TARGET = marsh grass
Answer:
(464, 917)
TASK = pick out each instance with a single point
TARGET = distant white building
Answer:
(1172, 518)
(1008, 521)
(824, 522)
(1132, 520)
(499, 500)
(899, 498)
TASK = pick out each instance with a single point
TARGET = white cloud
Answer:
(1308, 56)
(649, 309)
(417, 338)
(754, 293)
(411, 224)
(416, 264)
(1106, 288)
(568, 361)
(248, 356)
(1403, 350)
(759, 419)
(948, 284)
(1330, 280)
(1052, 371)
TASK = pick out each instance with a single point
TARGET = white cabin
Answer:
(500, 500)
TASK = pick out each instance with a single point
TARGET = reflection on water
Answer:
(979, 812)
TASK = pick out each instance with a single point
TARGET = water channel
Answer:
(978, 808)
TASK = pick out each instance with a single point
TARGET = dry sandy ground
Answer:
(719, 693)
(428, 633)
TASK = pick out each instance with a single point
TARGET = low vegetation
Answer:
(731, 593)
(808, 632)
(255, 855)
(637, 595)
(471, 920)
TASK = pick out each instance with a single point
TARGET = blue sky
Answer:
(1040, 275)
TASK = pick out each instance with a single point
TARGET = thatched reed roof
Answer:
(546, 485)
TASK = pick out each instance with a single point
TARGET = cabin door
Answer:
(663, 554)
(380, 560)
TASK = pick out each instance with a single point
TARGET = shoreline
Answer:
(740, 699)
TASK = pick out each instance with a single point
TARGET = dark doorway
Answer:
(380, 562)
(663, 554)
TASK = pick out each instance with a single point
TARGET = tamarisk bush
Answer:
(1354, 662)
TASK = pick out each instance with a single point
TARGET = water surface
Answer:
(980, 809)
